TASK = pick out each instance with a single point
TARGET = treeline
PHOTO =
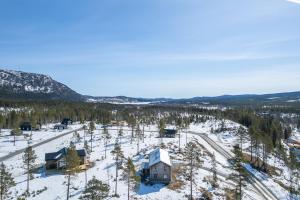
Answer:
(264, 129)
(14, 113)
(265, 134)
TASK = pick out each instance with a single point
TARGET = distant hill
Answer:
(126, 100)
(277, 98)
(32, 86)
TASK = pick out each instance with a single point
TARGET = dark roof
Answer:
(170, 131)
(57, 155)
(61, 153)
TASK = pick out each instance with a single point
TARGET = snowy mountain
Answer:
(23, 85)
(32, 86)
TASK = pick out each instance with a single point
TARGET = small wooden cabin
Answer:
(159, 168)
(56, 160)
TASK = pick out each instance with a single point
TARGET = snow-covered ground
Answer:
(295, 135)
(104, 168)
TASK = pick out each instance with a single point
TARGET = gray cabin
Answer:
(159, 167)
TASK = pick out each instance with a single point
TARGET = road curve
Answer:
(255, 182)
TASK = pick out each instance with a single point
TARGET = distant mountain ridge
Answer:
(32, 86)
(280, 98)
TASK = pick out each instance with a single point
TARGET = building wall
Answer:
(25, 127)
(160, 173)
(83, 160)
(51, 164)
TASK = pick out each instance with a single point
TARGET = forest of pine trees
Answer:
(264, 131)
(6, 182)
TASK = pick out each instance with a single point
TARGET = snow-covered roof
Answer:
(159, 155)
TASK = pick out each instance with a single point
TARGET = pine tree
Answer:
(192, 155)
(130, 174)
(120, 134)
(240, 175)
(186, 126)
(223, 127)
(179, 126)
(92, 127)
(143, 121)
(161, 129)
(6, 182)
(214, 171)
(242, 135)
(29, 158)
(84, 132)
(77, 136)
(118, 153)
(107, 137)
(138, 132)
(143, 132)
(132, 124)
(253, 135)
(15, 132)
(72, 165)
(87, 147)
(266, 150)
(294, 166)
(95, 190)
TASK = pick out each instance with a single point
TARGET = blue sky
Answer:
(156, 48)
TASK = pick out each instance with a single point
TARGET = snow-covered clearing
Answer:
(104, 168)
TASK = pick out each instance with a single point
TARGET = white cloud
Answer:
(294, 1)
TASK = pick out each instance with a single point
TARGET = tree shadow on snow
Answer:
(148, 189)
